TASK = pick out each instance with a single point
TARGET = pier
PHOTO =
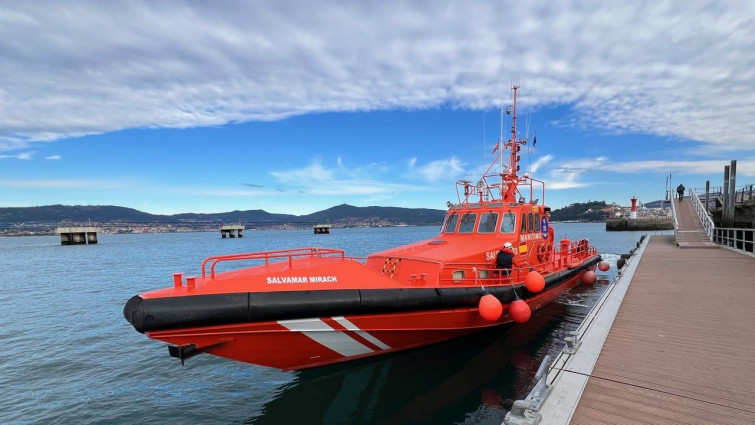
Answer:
(232, 230)
(671, 341)
(78, 235)
(639, 223)
(322, 228)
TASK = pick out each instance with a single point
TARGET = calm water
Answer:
(70, 357)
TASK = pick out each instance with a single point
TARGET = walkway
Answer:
(690, 233)
(681, 347)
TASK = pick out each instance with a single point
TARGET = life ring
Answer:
(582, 246)
(544, 251)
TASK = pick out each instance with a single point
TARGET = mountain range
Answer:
(342, 214)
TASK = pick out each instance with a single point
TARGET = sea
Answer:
(70, 357)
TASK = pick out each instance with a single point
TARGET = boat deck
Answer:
(680, 349)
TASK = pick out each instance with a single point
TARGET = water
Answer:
(70, 357)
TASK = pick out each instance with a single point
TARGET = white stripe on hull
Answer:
(336, 340)
(352, 327)
(320, 332)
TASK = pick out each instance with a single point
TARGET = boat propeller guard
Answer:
(185, 352)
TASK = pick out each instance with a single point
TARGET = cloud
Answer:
(22, 156)
(569, 174)
(53, 157)
(318, 179)
(437, 170)
(65, 184)
(676, 69)
(744, 167)
(543, 160)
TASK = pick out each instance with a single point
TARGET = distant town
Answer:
(119, 220)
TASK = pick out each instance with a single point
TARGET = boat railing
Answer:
(268, 256)
(568, 255)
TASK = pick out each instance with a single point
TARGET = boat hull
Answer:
(305, 342)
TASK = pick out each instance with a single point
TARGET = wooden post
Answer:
(732, 193)
(725, 199)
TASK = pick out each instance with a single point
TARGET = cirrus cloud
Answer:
(675, 68)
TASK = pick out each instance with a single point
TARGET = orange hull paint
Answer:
(274, 345)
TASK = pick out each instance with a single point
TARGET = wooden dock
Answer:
(672, 344)
(681, 347)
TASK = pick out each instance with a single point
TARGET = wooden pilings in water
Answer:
(322, 228)
(78, 235)
(231, 231)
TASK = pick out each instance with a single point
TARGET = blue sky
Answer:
(294, 107)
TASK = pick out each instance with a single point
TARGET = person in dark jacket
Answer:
(505, 258)
(680, 191)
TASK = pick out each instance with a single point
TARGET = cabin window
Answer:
(524, 223)
(451, 223)
(458, 276)
(508, 223)
(487, 223)
(532, 227)
(537, 222)
(467, 223)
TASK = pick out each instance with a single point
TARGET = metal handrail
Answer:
(702, 212)
(268, 255)
(673, 212)
(738, 239)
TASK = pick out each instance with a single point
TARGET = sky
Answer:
(297, 106)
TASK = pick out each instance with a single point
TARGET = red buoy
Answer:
(490, 307)
(604, 266)
(534, 282)
(589, 277)
(519, 310)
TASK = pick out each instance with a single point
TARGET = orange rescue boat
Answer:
(307, 307)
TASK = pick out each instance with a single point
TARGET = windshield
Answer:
(467, 223)
(508, 224)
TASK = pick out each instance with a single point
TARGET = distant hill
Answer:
(78, 213)
(588, 211)
(344, 215)
(411, 216)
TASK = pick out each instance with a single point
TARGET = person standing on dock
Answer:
(680, 191)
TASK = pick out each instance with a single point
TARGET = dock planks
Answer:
(681, 347)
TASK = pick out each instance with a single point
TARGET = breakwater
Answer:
(639, 223)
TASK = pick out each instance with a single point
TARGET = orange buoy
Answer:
(534, 282)
(604, 266)
(490, 307)
(589, 277)
(519, 310)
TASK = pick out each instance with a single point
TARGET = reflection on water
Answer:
(464, 380)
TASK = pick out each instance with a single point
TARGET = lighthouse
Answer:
(633, 211)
